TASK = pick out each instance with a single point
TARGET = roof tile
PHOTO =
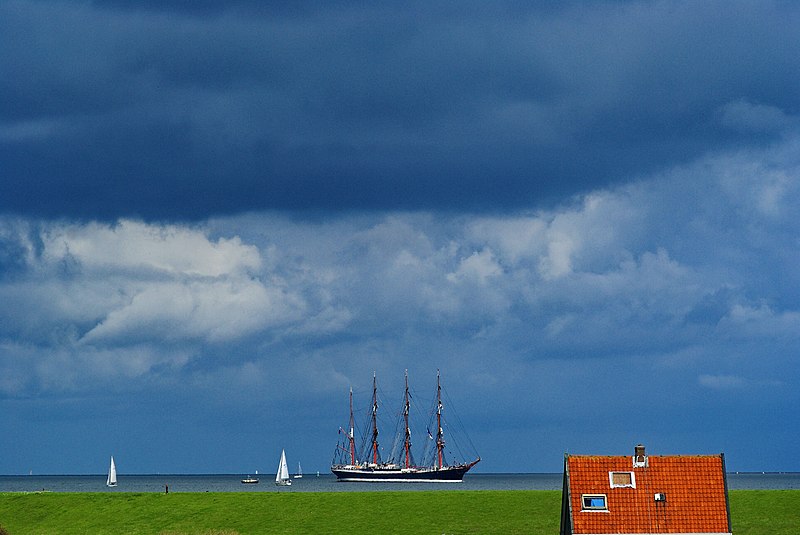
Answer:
(695, 489)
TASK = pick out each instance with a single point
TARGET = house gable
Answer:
(657, 494)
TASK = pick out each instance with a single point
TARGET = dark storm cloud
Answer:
(184, 109)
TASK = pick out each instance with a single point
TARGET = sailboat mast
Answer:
(439, 432)
(374, 419)
(352, 435)
(407, 438)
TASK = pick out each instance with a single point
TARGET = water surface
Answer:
(328, 483)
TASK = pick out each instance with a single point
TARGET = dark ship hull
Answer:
(384, 474)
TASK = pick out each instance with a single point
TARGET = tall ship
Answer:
(366, 464)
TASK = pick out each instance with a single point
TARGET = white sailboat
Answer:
(111, 480)
(282, 476)
(299, 473)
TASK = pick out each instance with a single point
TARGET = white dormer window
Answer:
(622, 480)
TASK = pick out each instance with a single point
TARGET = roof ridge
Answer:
(712, 455)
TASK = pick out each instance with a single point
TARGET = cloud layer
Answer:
(679, 286)
(169, 111)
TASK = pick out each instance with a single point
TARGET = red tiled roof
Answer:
(694, 487)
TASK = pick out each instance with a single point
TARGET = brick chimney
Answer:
(639, 456)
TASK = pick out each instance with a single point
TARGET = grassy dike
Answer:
(774, 512)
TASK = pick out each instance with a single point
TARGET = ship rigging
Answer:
(399, 467)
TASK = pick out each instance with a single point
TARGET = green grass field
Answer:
(774, 512)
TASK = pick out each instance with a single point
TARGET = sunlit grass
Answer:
(436, 512)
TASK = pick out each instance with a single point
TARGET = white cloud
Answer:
(744, 116)
(759, 189)
(168, 282)
(131, 245)
(561, 247)
(213, 311)
(515, 238)
(591, 236)
(760, 321)
(721, 382)
(480, 266)
(27, 368)
(27, 131)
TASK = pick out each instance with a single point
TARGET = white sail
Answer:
(282, 475)
(299, 472)
(111, 480)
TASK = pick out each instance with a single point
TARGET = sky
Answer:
(217, 217)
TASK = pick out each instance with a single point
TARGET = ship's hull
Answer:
(378, 474)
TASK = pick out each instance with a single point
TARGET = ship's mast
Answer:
(374, 419)
(352, 435)
(439, 432)
(407, 437)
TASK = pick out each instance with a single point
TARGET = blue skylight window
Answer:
(594, 502)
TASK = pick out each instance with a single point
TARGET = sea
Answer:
(327, 483)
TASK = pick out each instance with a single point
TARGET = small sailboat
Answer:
(282, 476)
(251, 480)
(299, 473)
(111, 480)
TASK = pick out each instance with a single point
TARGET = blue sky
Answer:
(216, 217)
